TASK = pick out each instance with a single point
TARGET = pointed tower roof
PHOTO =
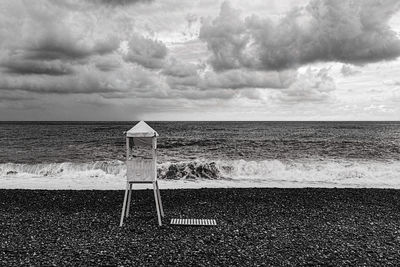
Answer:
(141, 129)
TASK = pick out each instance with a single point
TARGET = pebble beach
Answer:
(255, 227)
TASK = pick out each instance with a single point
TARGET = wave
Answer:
(173, 143)
(96, 168)
(322, 172)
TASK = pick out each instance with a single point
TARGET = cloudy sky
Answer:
(200, 60)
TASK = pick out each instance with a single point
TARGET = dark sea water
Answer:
(358, 153)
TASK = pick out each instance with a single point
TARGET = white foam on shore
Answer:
(110, 175)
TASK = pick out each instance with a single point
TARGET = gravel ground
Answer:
(255, 227)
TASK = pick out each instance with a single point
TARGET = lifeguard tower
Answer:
(141, 163)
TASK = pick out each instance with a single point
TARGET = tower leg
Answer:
(159, 200)
(124, 205)
(129, 200)
(157, 204)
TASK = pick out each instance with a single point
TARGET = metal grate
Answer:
(206, 222)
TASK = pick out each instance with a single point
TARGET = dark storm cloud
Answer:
(181, 74)
(59, 89)
(29, 67)
(85, 83)
(84, 5)
(355, 32)
(193, 94)
(13, 98)
(56, 46)
(89, 80)
(107, 66)
(238, 79)
(122, 2)
(146, 52)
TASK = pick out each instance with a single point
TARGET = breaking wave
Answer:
(96, 168)
(320, 172)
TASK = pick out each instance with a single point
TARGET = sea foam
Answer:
(206, 173)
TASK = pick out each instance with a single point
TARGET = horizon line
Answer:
(2, 121)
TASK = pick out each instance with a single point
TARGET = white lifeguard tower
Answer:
(141, 163)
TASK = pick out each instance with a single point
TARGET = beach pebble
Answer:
(255, 227)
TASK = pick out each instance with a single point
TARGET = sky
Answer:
(200, 60)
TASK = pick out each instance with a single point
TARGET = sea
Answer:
(90, 155)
